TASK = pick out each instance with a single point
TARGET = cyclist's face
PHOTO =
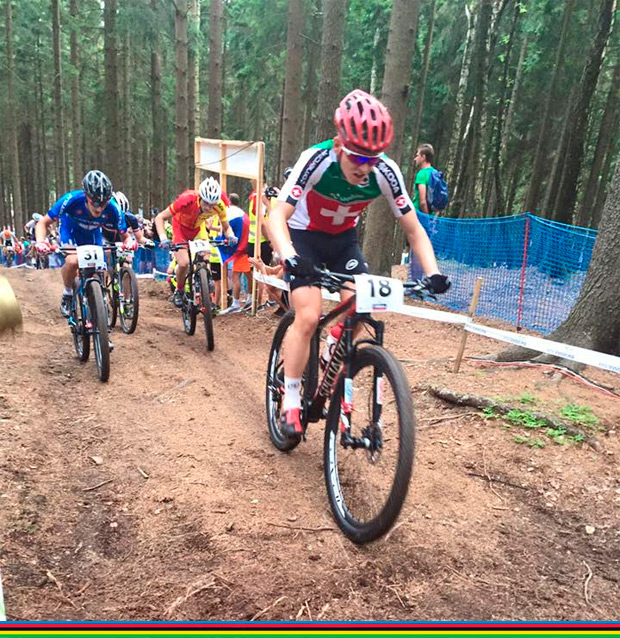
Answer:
(96, 210)
(353, 172)
(206, 207)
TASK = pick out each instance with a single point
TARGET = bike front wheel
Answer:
(99, 320)
(369, 449)
(79, 317)
(204, 300)
(129, 302)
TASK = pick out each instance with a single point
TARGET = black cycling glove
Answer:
(437, 284)
(299, 266)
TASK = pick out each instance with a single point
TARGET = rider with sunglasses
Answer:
(82, 215)
(313, 223)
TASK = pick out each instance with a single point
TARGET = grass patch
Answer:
(580, 414)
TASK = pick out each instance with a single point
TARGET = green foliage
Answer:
(580, 414)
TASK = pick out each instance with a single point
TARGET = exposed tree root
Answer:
(480, 402)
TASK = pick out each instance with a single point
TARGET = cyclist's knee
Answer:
(182, 260)
(307, 319)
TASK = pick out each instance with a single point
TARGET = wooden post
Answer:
(259, 225)
(224, 285)
(472, 309)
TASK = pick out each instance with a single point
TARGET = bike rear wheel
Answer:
(129, 302)
(101, 342)
(367, 486)
(274, 387)
(203, 295)
(79, 316)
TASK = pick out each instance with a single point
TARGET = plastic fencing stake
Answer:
(472, 310)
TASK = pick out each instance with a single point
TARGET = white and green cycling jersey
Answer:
(323, 199)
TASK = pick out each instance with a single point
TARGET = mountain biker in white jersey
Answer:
(314, 220)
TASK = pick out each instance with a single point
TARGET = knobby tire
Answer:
(396, 484)
(274, 391)
(131, 303)
(202, 286)
(81, 338)
(101, 342)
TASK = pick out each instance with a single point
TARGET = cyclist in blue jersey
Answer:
(82, 214)
(134, 224)
(314, 224)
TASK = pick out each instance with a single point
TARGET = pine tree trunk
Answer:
(13, 122)
(567, 193)
(127, 182)
(59, 125)
(158, 178)
(379, 231)
(311, 85)
(604, 135)
(214, 119)
(42, 131)
(421, 85)
(332, 43)
(113, 165)
(291, 121)
(610, 155)
(507, 132)
(460, 115)
(76, 123)
(193, 86)
(181, 110)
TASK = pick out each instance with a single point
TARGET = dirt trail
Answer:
(188, 513)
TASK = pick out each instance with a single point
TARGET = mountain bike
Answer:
(89, 317)
(121, 290)
(199, 287)
(364, 394)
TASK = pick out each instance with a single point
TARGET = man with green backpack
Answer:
(430, 189)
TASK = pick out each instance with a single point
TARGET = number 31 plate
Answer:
(378, 294)
(91, 257)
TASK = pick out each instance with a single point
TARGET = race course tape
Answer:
(554, 348)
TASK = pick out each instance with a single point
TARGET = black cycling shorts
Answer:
(266, 252)
(216, 271)
(339, 253)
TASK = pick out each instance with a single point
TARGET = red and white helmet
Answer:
(363, 122)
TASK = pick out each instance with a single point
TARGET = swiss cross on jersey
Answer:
(329, 216)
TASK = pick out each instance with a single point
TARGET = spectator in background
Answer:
(424, 163)
(240, 265)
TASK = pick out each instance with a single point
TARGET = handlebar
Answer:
(334, 282)
(214, 242)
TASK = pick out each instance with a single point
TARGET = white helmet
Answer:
(122, 201)
(37, 217)
(210, 190)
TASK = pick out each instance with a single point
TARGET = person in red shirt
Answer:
(188, 212)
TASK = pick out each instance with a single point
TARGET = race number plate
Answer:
(91, 257)
(199, 246)
(378, 294)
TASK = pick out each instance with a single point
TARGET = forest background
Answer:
(521, 99)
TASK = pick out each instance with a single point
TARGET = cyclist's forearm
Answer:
(278, 230)
(160, 221)
(42, 227)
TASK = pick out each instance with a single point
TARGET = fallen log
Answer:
(480, 402)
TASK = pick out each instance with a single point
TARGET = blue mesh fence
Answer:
(532, 268)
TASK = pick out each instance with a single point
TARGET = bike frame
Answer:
(342, 357)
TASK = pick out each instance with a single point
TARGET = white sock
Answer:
(68, 292)
(235, 303)
(292, 394)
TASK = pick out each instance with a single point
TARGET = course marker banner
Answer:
(581, 355)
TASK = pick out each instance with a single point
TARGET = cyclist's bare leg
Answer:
(182, 267)
(69, 271)
(307, 304)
